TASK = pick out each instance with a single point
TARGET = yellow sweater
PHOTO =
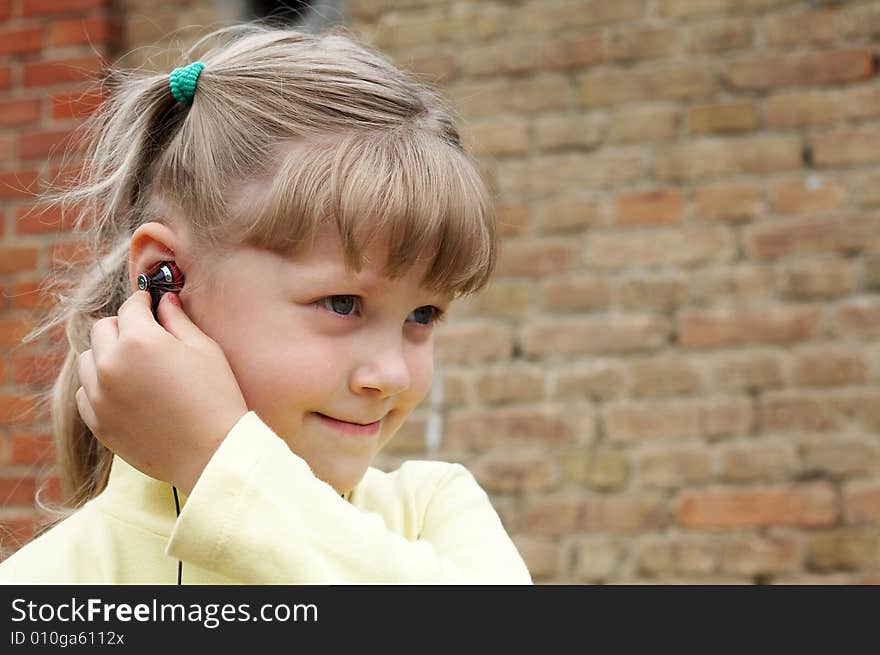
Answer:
(258, 515)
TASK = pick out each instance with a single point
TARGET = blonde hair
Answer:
(333, 128)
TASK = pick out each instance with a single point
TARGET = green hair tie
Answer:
(183, 82)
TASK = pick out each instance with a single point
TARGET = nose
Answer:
(383, 367)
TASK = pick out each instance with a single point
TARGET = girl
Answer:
(319, 214)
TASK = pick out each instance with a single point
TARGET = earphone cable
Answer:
(177, 507)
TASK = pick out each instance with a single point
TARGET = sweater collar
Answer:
(138, 499)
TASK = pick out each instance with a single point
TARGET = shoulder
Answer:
(422, 480)
(62, 554)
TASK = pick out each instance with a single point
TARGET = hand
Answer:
(160, 395)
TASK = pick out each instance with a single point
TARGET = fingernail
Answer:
(173, 299)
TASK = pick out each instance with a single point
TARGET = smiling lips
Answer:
(355, 429)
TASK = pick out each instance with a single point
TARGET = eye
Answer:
(343, 305)
(346, 306)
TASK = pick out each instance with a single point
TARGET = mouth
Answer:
(348, 427)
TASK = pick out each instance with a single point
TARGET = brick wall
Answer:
(675, 375)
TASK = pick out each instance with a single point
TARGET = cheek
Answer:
(422, 373)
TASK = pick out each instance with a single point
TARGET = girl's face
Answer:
(306, 337)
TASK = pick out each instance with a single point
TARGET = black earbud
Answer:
(167, 277)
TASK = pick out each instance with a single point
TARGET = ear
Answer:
(151, 244)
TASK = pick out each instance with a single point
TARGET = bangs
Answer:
(425, 191)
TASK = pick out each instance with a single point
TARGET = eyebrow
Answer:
(367, 285)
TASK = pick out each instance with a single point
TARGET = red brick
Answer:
(783, 238)
(861, 503)
(593, 378)
(595, 559)
(845, 147)
(57, 7)
(62, 71)
(498, 137)
(18, 531)
(559, 173)
(79, 104)
(688, 8)
(512, 383)
(40, 219)
(660, 247)
(473, 341)
(504, 57)
(747, 371)
(803, 506)
(655, 292)
(21, 41)
(790, 412)
(643, 124)
(537, 257)
(844, 549)
(623, 513)
(612, 87)
(739, 284)
(575, 295)
(815, 279)
(723, 117)
(558, 133)
(93, 30)
(16, 259)
(19, 112)
(37, 448)
(860, 102)
(807, 28)
(513, 219)
(807, 195)
(662, 376)
(670, 468)
(18, 184)
(725, 417)
(5, 77)
(41, 144)
(477, 430)
(655, 420)
(660, 207)
(440, 68)
(5, 9)
(715, 157)
(760, 556)
(552, 515)
(727, 327)
(825, 67)
(553, 17)
(803, 108)
(569, 215)
(17, 490)
(71, 252)
(509, 472)
(837, 458)
(573, 52)
(859, 317)
(606, 334)
(649, 43)
(749, 462)
(36, 370)
(728, 202)
(32, 296)
(721, 35)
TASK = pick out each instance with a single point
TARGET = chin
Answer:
(343, 479)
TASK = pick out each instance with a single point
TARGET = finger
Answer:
(104, 334)
(85, 411)
(87, 374)
(174, 319)
(136, 315)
